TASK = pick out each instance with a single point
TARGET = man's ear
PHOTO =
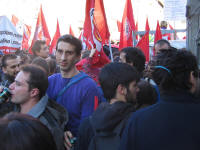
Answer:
(121, 89)
(193, 81)
(34, 92)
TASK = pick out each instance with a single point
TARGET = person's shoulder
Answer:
(87, 81)
(141, 113)
(54, 76)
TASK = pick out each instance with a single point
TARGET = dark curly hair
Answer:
(136, 57)
(179, 64)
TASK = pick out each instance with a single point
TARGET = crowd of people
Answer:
(74, 100)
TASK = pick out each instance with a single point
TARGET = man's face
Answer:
(12, 67)
(44, 51)
(132, 92)
(122, 57)
(158, 48)
(20, 88)
(66, 56)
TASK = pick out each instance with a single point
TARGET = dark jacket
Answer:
(105, 118)
(171, 124)
(54, 116)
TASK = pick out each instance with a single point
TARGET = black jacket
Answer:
(105, 118)
(171, 124)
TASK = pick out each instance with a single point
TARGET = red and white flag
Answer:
(127, 26)
(84, 41)
(95, 31)
(143, 44)
(41, 30)
(52, 48)
(95, 26)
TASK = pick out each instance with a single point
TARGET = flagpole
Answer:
(111, 55)
(134, 39)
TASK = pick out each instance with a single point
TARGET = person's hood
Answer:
(107, 116)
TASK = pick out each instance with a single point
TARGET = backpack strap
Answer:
(73, 80)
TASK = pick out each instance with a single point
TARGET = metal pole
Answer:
(111, 55)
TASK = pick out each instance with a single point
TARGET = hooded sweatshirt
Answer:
(105, 118)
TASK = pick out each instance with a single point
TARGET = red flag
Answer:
(119, 25)
(95, 31)
(41, 30)
(55, 38)
(158, 34)
(147, 25)
(71, 31)
(18, 24)
(170, 26)
(26, 37)
(23, 28)
(143, 44)
(127, 26)
(15, 20)
(100, 20)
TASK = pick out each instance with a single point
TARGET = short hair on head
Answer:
(73, 41)
(41, 62)
(23, 132)
(37, 46)
(147, 93)
(136, 57)
(161, 42)
(7, 57)
(37, 78)
(114, 74)
(52, 65)
(180, 64)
